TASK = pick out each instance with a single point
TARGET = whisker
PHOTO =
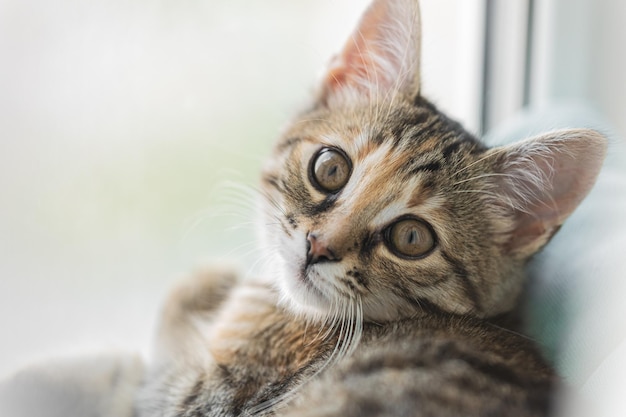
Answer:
(343, 321)
(493, 153)
(513, 332)
(489, 193)
(488, 175)
(319, 119)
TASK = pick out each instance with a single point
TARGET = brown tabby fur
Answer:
(435, 364)
(368, 332)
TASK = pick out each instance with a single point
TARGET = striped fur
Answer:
(358, 328)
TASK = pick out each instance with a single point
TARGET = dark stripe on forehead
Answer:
(432, 171)
(405, 126)
(419, 133)
(460, 271)
(421, 120)
(451, 125)
(464, 141)
(424, 167)
(454, 131)
(452, 148)
(418, 118)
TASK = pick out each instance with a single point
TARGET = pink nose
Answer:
(317, 252)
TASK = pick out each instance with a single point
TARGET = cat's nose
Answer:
(317, 252)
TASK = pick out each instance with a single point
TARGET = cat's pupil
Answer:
(410, 238)
(330, 170)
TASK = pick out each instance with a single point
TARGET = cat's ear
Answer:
(381, 58)
(542, 180)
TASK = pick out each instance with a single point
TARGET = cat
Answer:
(396, 247)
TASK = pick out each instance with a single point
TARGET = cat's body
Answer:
(250, 351)
(394, 239)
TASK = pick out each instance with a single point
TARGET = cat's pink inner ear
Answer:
(381, 58)
(543, 180)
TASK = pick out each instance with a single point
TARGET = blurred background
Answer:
(125, 128)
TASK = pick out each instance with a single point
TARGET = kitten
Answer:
(396, 237)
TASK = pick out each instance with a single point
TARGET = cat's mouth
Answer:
(308, 277)
(305, 292)
(307, 286)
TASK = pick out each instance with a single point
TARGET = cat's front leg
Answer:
(192, 303)
(181, 353)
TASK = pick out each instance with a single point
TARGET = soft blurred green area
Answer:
(123, 127)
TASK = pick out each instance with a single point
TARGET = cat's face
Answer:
(384, 205)
(375, 197)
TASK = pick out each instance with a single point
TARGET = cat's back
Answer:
(440, 365)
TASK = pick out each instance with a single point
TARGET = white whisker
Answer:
(488, 175)
(489, 155)
(346, 318)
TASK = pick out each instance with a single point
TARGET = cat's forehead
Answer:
(418, 130)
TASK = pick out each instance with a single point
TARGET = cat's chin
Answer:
(301, 296)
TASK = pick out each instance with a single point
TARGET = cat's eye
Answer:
(330, 170)
(410, 238)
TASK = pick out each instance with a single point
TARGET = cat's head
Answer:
(374, 195)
